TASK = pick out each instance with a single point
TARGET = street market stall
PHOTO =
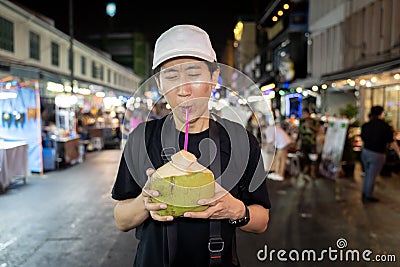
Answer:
(20, 118)
(13, 163)
(61, 141)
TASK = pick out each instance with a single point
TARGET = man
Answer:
(186, 72)
(375, 134)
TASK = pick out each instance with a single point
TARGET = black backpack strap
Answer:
(170, 232)
(170, 145)
(215, 243)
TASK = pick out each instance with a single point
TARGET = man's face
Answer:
(187, 83)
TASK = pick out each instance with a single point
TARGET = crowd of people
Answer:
(304, 136)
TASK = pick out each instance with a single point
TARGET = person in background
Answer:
(132, 118)
(307, 137)
(125, 125)
(254, 127)
(186, 72)
(376, 134)
(278, 138)
(320, 139)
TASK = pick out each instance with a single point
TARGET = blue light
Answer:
(111, 9)
(285, 85)
(288, 107)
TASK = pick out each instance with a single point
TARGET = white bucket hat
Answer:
(183, 40)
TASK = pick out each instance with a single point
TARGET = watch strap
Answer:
(242, 221)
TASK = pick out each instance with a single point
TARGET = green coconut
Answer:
(181, 183)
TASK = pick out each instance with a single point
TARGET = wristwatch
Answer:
(242, 221)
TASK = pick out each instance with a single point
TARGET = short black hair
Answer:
(376, 111)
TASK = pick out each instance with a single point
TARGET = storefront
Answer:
(375, 89)
(377, 85)
(387, 96)
(78, 120)
(36, 110)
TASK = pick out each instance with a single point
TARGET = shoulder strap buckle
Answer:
(216, 244)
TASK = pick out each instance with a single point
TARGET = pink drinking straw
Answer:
(185, 145)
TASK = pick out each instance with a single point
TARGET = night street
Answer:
(198, 92)
(65, 218)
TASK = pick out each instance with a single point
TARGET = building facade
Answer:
(354, 48)
(281, 58)
(44, 71)
(31, 45)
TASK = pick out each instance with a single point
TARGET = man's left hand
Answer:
(222, 206)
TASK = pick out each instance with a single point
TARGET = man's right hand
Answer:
(151, 206)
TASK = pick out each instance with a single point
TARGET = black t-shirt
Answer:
(376, 134)
(193, 234)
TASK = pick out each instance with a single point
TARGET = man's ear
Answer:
(159, 86)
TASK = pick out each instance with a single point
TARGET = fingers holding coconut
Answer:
(154, 207)
(160, 218)
(219, 193)
(147, 191)
(222, 206)
(212, 212)
(151, 206)
(150, 172)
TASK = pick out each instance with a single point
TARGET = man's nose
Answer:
(185, 89)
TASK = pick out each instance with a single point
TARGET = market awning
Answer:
(48, 76)
(305, 83)
(367, 69)
(24, 71)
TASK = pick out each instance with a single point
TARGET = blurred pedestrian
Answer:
(132, 118)
(320, 139)
(254, 127)
(186, 71)
(281, 141)
(376, 134)
(308, 143)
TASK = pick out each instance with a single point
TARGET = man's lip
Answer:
(186, 107)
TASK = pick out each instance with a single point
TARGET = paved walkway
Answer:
(317, 214)
(65, 219)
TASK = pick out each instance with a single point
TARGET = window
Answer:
(34, 45)
(108, 75)
(94, 70)
(83, 65)
(6, 35)
(101, 74)
(97, 70)
(55, 54)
